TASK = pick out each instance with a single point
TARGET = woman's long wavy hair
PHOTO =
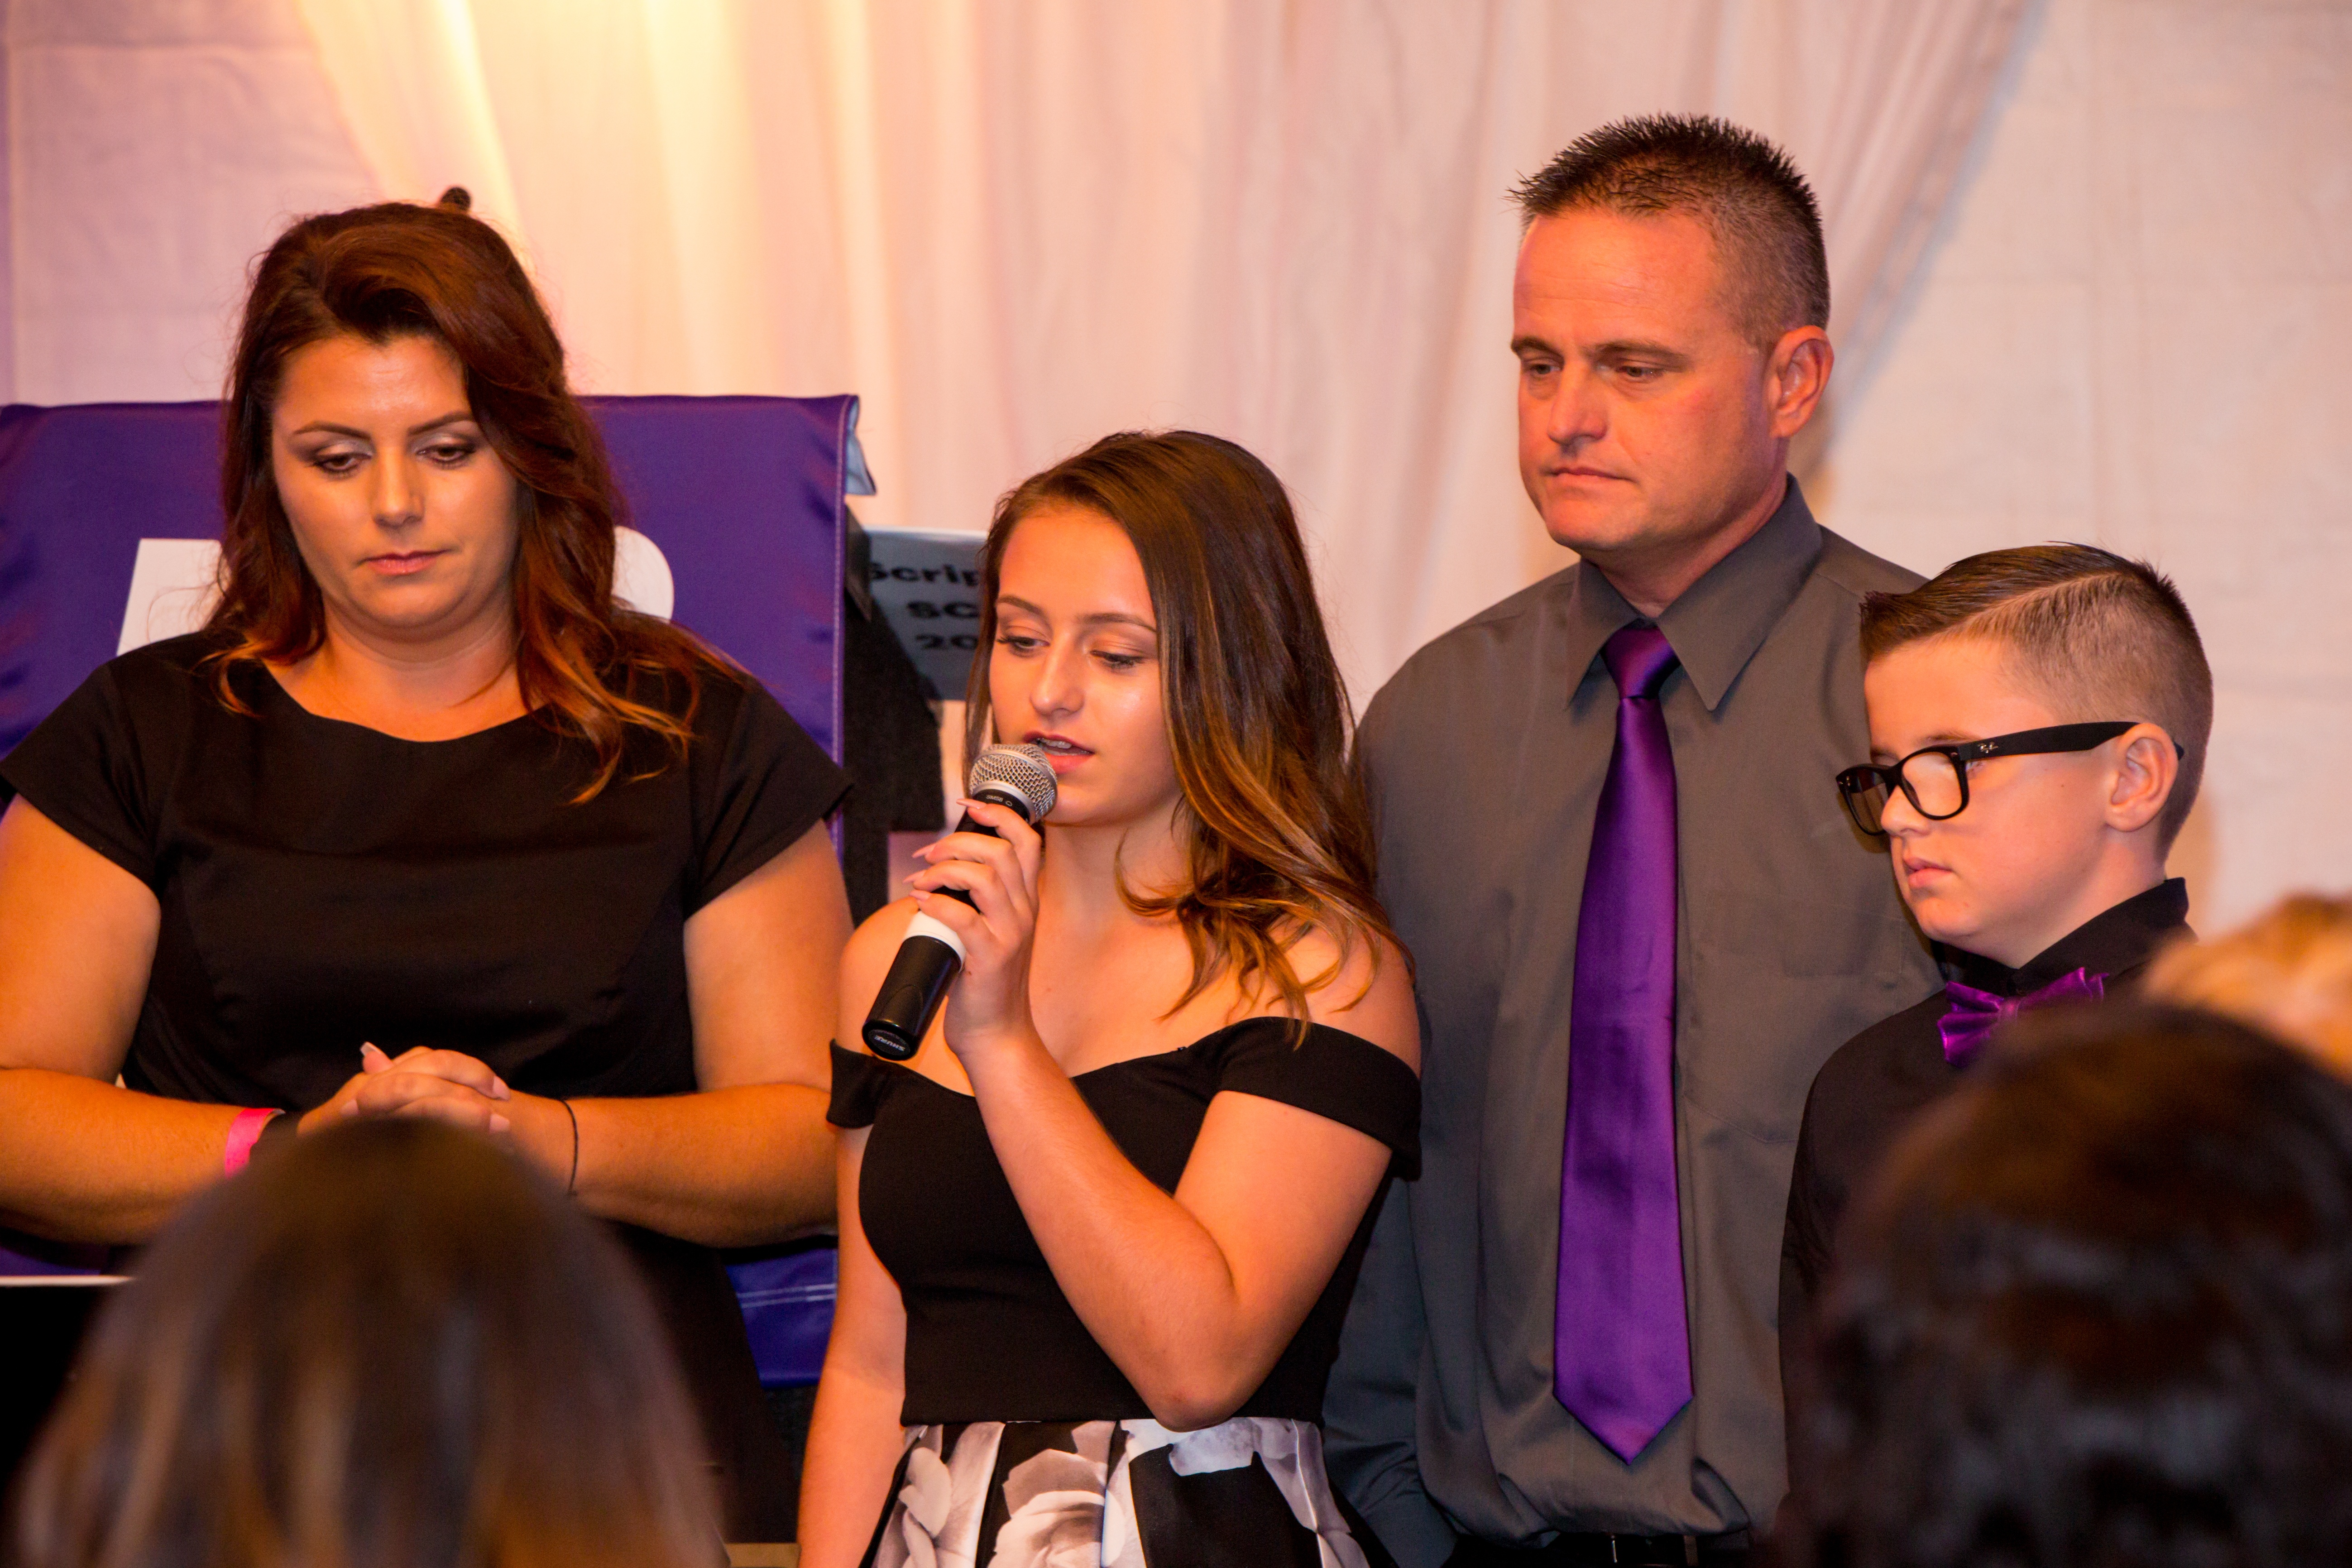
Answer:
(401, 270)
(392, 1345)
(1278, 835)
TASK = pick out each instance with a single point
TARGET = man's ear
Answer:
(1796, 374)
(2148, 767)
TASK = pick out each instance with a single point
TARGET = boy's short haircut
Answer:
(2098, 636)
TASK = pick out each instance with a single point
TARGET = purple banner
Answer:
(740, 498)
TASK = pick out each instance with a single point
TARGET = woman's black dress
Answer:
(324, 884)
(1025, 1444)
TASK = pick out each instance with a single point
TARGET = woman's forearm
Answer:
(87, 1161)
(1148, 1280)
(727, 1167)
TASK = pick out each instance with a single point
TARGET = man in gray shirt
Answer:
(1563, 1347)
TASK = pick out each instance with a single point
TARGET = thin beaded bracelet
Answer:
(572, 1182)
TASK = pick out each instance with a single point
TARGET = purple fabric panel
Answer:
(80, 488)
(787, 1305)
(30, 1257)
(743, 495)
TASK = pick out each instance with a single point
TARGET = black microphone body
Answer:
(929, 959)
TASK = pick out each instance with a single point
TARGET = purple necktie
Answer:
(1974, 1014)
(1621, 1341)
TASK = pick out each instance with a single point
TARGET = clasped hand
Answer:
(447, 1085)
(990, 1003)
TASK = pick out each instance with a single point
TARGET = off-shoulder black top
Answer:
(990, 1336)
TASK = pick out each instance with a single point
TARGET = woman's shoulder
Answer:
(676, 674)
(861, 1080)
(170, 668)
(736, 722)
(1357, 1060)
(861, 1086)
(866, 961)
(146, 698)
(755, 781)
(105, 762)
(871, 948)
(1365, 988)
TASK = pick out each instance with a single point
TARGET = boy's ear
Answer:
(2150, 767)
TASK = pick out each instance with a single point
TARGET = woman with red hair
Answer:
(425, 823)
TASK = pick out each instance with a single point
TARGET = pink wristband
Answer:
(242, 1134)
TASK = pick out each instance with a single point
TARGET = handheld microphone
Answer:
(931, 956)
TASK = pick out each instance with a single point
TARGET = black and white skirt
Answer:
(1117, 1494)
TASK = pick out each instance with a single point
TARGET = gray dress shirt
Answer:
(1486, 755)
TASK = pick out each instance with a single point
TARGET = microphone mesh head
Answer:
(1022, 770)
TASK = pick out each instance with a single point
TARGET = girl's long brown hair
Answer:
(1278, 837)
(399, 271)
(392, 1345)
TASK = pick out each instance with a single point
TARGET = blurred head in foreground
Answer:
(2290, 971)
(389, 1346)
(2098, 1311)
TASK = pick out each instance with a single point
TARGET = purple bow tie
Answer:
(1974, 1014)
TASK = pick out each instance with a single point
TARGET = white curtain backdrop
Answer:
(1016, 226)
(1013, 228)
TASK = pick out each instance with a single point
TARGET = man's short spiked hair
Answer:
(1767, 226)
(2097, 636)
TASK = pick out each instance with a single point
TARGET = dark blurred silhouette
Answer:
(2096, 1309)
(392, 1345)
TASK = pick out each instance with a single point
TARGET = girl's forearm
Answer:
(1145, 1276)
(854, 1445)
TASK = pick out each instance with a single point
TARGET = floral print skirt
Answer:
(1117, 1494)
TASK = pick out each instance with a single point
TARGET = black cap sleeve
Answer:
(81, 767)
(1334, 1074)
(768, 784)
(860, 1084)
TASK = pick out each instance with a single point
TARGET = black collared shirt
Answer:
(1873, 1086)
(1486, 754)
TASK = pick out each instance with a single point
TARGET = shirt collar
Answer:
(1720, 621)
(2113, 943)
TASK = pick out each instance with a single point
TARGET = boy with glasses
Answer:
(2038, 724)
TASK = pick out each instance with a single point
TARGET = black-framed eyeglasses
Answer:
(1935, 779)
